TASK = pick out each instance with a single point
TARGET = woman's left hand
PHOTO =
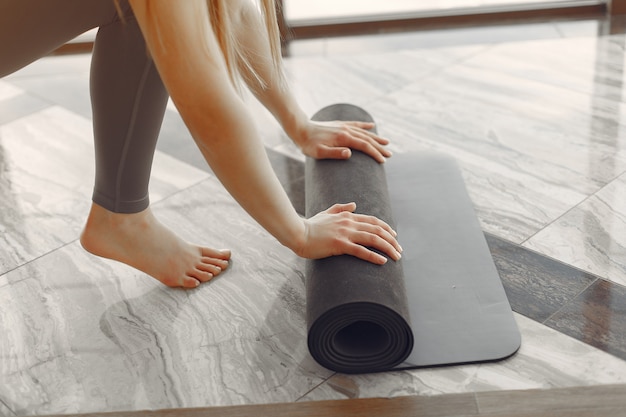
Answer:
(335, 140)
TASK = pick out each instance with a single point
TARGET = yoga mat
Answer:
(443, 303)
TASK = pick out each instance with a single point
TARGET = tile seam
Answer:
(595, 281)
(546, 322)
(324, 380)
(550, 258)
(7, 407)
(565, 213)
(30, 261)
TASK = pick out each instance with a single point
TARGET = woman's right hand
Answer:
(338, 230)
(335, 140)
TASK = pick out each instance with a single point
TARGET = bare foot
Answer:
(141, 241)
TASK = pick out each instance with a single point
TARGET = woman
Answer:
(197, 51)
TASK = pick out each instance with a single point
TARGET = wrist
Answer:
(295, 238)
(295, 126)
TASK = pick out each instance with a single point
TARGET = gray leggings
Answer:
(127, 95)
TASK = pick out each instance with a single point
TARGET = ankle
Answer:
(101, 217)
(102, 222)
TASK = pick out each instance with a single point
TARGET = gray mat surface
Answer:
(442, 304)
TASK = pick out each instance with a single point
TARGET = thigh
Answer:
(30, 29)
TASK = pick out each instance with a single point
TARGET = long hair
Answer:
(237, 59)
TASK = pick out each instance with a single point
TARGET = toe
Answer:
(190, 282)
(209, 267)
(212, 265)
(223, 254)
(202, 276)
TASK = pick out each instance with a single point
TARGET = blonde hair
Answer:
(236, 57)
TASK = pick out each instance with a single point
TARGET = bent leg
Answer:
(30, 29)
(128, 98)
(128, 102)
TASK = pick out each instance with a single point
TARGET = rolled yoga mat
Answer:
(443, 303)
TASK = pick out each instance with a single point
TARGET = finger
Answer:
(385, 233)
(339, 208)
(366, 222)
(365, 218)
(379, 139)
(365, 128)
(328, 152)
(374, 140)
(363, 144)
(364, 253)
(361, 125)
(368, 149)
(374, 136)
(376, 242)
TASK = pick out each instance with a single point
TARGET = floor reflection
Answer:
(604, 132)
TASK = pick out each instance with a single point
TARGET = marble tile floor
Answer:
(537, 126)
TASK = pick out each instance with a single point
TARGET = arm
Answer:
(319, 140)
(187, 55)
